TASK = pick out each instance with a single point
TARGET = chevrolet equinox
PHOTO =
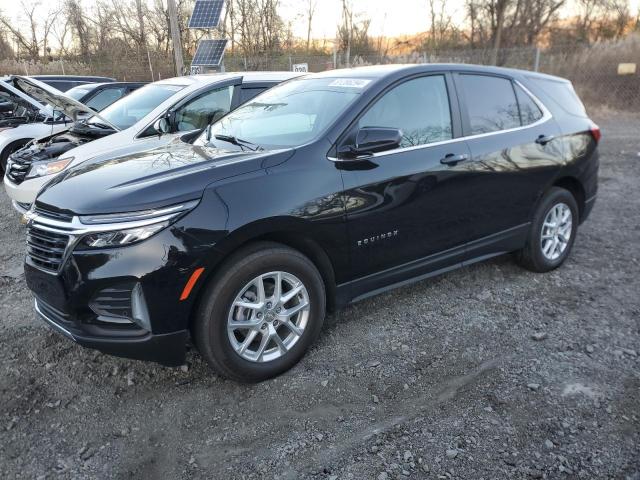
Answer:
(319, 192)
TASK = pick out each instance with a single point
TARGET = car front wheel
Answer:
(260, 312)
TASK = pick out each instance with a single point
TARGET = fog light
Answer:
(139, 310)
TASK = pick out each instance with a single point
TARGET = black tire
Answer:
(209, 327)
(531, 256)
(8, 150)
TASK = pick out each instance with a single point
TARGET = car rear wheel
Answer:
(260, 312)
(552, 232)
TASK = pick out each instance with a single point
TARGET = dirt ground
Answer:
(488, 372)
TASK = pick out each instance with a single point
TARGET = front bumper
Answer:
(27, 191)
(124, 301)
(167, 349)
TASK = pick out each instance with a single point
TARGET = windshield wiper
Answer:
(239, 142)
(99, 125)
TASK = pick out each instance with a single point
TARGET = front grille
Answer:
(19, 167)
(46, 249)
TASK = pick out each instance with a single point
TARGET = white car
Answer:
(150, 117)
(28, 119)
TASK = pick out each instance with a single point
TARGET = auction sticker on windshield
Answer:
(350, 82)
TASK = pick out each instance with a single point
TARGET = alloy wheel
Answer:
(268, 316)
(556, 231)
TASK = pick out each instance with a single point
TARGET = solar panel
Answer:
(209, 53)
(206, 14)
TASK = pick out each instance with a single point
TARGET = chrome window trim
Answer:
(546, 116)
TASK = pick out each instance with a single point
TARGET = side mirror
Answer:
(370, 140)
(162, 126)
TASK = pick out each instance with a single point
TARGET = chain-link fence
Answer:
(594, 70)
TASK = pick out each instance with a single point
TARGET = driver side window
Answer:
(418, 107)
(203, 110)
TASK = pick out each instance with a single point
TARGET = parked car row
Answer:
(34, 109)
(235, 210)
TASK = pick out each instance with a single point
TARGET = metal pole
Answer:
(175, 37)
(536, 64)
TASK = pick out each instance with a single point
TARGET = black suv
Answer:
(319, 192)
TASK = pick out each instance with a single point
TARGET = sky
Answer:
(388, 17)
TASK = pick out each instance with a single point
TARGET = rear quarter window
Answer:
(563, 94)
(529, 111)
(491, 103)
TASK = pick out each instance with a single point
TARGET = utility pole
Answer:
(175, 37)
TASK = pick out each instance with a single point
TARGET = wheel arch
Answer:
(288, 234)
(9, 148)
(575, 187)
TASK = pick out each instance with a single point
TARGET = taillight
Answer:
(595, 132)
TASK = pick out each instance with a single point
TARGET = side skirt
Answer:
(436, 264)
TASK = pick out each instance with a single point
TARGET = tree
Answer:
(38, 32)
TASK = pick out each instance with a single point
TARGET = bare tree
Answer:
(38, 32)
(310, 11)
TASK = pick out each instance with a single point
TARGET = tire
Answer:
(541, 254)
(218, 306)
(8, 150)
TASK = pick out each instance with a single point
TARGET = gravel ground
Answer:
(487, 372)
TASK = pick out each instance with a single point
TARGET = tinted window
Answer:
(133, 107)
(529, 111)
(247, 94)
(105, 97)
(491, 103)
(563, 94)
(203, 110)
(419, 108)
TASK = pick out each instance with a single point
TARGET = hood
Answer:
(55, 98)
(155, 178)
(8, 93)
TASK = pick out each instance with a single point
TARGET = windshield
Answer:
(287, 115)
(128, 110)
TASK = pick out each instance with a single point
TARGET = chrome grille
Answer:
(18, 167)
(46, 249)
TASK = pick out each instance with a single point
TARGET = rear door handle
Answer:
(544, 139)
(453, 159)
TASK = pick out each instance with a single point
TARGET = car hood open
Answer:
(11, 94)
(163, 176)
(56, 99)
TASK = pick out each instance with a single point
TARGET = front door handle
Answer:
(544, 139)
(453, 159)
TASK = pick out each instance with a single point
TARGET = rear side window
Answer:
(419, 108)
(247, 94)
(563, 94)
(491, 103)
(529, 110)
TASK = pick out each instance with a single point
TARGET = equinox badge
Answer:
(377, 238)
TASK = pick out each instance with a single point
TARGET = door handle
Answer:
(544, 139)
(453, 159)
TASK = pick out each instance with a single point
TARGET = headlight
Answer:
(121, 237)
(119, 229)
(40, 169)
